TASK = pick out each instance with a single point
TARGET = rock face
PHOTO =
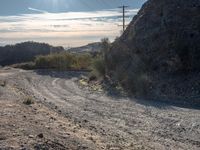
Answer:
(164, 37)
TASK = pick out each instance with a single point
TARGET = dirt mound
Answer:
(163, 38)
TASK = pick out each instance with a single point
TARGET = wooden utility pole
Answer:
(124, 16)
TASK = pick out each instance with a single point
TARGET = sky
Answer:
(67, 23)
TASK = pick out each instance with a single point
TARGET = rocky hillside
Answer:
(161, 42)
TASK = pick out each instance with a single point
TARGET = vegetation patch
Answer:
(26, 66)
(2, 83)
(98, 68)
(99, 64)
(28, 100)
(83, 82)
(64, 61)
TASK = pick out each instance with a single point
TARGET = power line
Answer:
(124, 16)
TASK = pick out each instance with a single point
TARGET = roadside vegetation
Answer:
(2, 83)
(99, 66)
(64, 61)
(94, 62)
(59, 61)
(28, 100)
(99, 63)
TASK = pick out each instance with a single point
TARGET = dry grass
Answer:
(2, 83)
(64, 61)
(28, 100)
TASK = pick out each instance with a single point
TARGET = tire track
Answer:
(120, 122)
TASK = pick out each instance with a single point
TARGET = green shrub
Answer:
(82, 61)
(98, 67)
(99, 62)
(41, 62)
(64, 61)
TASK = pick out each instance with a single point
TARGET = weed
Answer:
(2, 83)
(28, 100)
(98, 67)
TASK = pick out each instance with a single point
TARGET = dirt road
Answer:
(65, 116)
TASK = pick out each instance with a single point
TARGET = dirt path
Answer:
(72, 118)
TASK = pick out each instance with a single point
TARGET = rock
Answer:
(52, 118)
(85, 121)
(163, 38)
(48, 127)
(92, 139)
(31, 136)
(40, 135)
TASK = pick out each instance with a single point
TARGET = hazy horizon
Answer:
(62, 22)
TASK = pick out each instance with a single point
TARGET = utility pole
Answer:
(124, 16)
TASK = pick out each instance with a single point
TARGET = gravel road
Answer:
(99, 121)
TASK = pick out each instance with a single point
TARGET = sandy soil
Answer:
(65, 116)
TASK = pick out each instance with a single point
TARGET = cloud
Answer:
(79, 26)
(59, 26)
(37, 10)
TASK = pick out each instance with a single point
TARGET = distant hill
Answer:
(90, 48)
(23, 52)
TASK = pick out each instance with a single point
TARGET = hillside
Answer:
(24, 52)
(140, 92)
(158, 55)
(90, 48)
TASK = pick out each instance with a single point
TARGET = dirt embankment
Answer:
(65, 116)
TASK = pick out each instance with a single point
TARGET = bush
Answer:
(98, 67)
(64, 61)
(2, 83)
(26, 66)
(82, 61)
(28, 100)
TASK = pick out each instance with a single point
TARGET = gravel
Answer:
(97, 120)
